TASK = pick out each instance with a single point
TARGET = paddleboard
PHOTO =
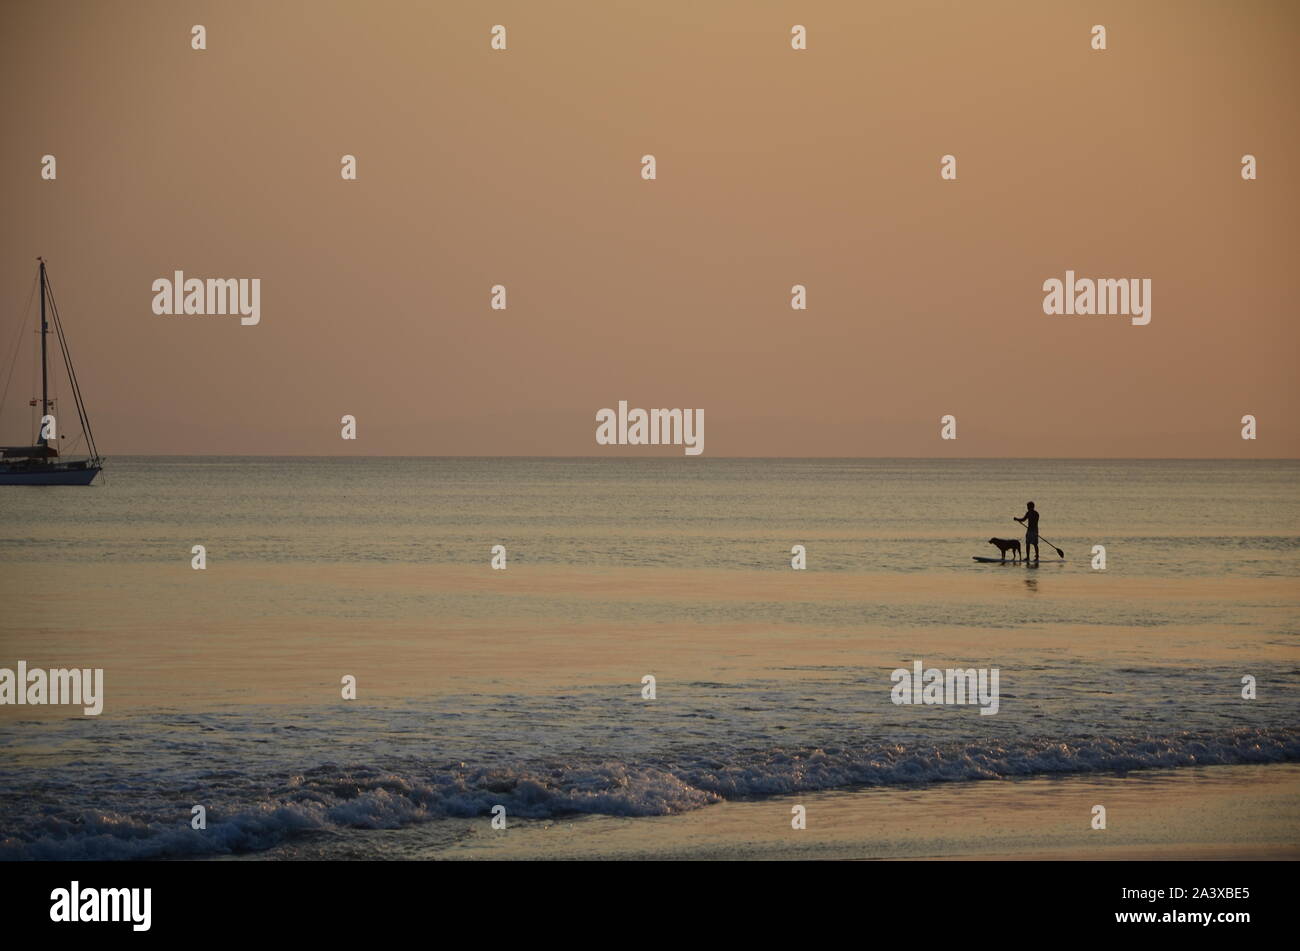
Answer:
(1022, 561)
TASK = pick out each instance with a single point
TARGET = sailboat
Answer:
(42, 464)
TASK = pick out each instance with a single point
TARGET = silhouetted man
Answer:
(1030, 521)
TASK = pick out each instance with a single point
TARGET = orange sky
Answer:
(775, 167)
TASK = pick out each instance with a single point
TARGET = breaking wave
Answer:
(250, 813)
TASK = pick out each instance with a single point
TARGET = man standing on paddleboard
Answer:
(1030, 521)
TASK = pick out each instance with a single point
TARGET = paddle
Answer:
(1045, 542)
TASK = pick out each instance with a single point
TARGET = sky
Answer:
(775, 167)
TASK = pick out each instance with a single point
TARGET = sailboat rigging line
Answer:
(72, 374)
(13, 360)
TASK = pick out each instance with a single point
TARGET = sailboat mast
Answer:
(45, 377)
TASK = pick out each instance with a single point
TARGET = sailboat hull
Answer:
(48, 476)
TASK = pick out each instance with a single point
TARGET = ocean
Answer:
(522, 688)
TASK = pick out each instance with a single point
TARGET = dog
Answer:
(1005, 545)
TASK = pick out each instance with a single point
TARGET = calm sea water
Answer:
(787, 686)
(1163, 517)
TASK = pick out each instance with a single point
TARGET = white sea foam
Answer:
(260, 812)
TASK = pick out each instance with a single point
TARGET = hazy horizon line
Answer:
(293, 455)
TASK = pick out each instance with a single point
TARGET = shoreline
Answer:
(1194, 813)
(1199, 813)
